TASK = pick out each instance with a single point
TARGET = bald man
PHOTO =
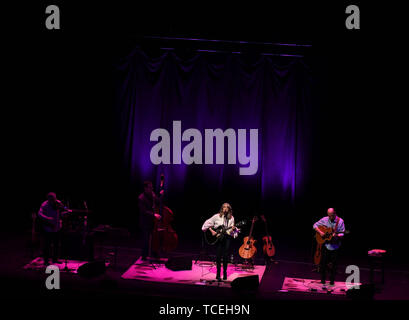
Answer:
(330, 248)
(50, 214)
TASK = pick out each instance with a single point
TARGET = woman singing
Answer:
(223, 217)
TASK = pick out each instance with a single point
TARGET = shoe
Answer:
(331, 283)
(218, 273)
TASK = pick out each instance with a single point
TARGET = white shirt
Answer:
(216, 221)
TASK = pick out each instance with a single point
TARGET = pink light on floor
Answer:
(203, 271)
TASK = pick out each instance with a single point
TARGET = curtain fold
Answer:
(209, 91)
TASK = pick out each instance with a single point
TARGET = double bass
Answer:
(164, 237)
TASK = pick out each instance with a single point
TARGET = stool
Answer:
(376, 258)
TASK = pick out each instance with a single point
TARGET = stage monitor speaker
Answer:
(92, 269)
(365, 292)
(245, 283)
(179, 263)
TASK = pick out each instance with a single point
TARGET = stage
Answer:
(14, 277)
(201, 273)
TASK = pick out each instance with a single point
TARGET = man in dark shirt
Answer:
(146, 203)
(50, 217)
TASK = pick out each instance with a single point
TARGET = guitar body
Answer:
(211, 239)
(247, 249)
(220, 233)
(320, 242)
(268, 247)
(318, 253)
(327, 237)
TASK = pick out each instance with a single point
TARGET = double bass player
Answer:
(146, 204)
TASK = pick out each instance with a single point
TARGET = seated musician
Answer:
(330, 249)
(50, 215)
(223, 217)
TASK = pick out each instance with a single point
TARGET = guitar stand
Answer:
(270, 260)
(203, 255)
(248, 264)
(203, 265)
(66, 269)
(316, 268)
(150, 259)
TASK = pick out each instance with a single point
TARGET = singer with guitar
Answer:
(223, 218)
(330, 230)
(50, 215)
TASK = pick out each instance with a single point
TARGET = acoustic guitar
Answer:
(268, 248)
(321, 240)
(328, 234)
(247, 249)
(220, 233)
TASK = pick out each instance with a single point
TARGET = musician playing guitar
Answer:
(50, 215)
(223, 217)
(330, 227)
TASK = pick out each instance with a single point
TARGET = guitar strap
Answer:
(336, 225)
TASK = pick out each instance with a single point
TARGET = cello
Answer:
(164, 237)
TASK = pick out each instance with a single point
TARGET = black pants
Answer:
(328, 262)
(146, 234)
(51, 244)
(222, 251)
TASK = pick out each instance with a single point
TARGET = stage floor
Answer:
(29, 282)
(64, 266)
(313, 285)
(202, 273)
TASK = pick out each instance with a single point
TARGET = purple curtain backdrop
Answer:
(208, 90)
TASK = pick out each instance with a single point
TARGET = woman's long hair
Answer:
(229, 213)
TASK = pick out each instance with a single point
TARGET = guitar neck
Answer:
(251, 229)
(265, 227)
